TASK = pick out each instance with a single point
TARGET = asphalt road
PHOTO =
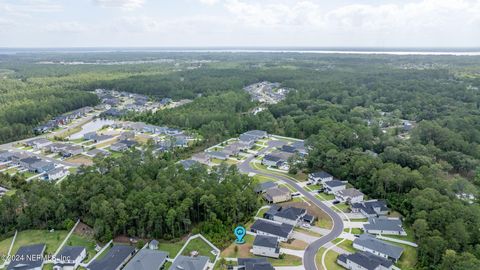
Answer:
(337, 229)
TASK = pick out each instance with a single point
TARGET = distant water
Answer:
(323, 50)
(95, 125)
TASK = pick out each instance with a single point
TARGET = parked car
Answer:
(296, 194)
(308, 184)
(336, 202)
(306, 225)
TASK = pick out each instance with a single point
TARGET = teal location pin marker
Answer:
(240, 233)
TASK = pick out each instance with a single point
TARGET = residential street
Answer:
(337, 229)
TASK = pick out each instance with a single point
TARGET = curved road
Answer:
(337, 229)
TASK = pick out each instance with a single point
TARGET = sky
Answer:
(239, 23)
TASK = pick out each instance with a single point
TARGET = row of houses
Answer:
(245, 141)
(279, 158)
(64, 149)
(34, 164)
(63, 119)
(277, 226)
(272, 193)
(118, 257)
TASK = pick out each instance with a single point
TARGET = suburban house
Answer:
(349, 195)
(267, 246)
(334, 186)
(97, 151)
(201, 157)
(5, 156)
(217, 155)
(42, 166)
(90, 135)
(118, 147)
(371, 208)
(69, 258)
(28, 161)
(153, 244)
(369, 243)
(16, 157)
(65, 150)
(188, 163)
(38, 143)
(272, 161)
(262, 187)
(126, 135)
(253, 264)
(289, 215)
(28, 258)
(300, 148)
(364, 261)
(288, 148)
(190, 263)
(248, 141)
(147, 259)
(384, 225)
(232, 149)
(57, 173)
(277, 195)
(128, 143)
(319, 177)
(257, 134)
(271, 228)
(115, 258)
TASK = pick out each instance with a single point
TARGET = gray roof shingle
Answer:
(147, 259)
(370, 242)
(282, 230)
(189, 263)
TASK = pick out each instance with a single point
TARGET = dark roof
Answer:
(334, 183)
(71, 253)
(113, 259)
(292, 213)
(272, 158)
(189, 263)
(247, 138)
(217, 154)
(147, 259)
(370, 242)
(370, 207)
(288, 149)
(27, 257)
(128, 143)
(254, 264)
(321, 174)
(384, 224)
(265, 185)
(368, 260)
(266, 241)
(30, 160)
(274, 228)
(257, 133)
(308, 218)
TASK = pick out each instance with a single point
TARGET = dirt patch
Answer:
(294, 244)
(80, 159)
(312, 210)
(84, 230)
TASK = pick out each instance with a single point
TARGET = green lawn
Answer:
(88, 243)
(4, 246)
(286, 260)
(409, 257)
(346, 244)
(354, 230)
(325, 223)
(48, 266)
(409, 237)
(342, 207)
(307, 232)
(326, 197)
(330, 260)
(171, 247)
(359, 220)
(261, 212)
(201, 246)
(29, 237)
(261, 178)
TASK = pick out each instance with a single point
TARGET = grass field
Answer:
(307, 232)
(261, 178)
(409, 257)
(346, 245)
(325, 197)
(294, 244)
(171, 247)
(330, 260)
(201, 246)
(29, 237)
(4, 246)
(354, 230)
(359, 219)
(342, 207)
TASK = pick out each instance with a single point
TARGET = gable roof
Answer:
(247, 138)
(266, 241)
(371, 207)
(276, 191)
(384, 224)
(321, 174)
(292, 213)
(254, 264)
(279, 229)
(147, 259)
(367, 260)
(189, 263)
(350, 192)
(334, 183)
(273, 158)
(27, 257)
(265, 185)
(188, 163)
(70, 253)
(370, 242)
(113, 259)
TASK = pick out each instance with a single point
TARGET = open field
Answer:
(330, 260)
(29, 237)
(294, 244)
(80, 159)
(201, 247)
(171, 247)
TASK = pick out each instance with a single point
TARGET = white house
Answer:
(349, 195)
(319, 177)
(364, 261)
(57, 173)
(270, 228)
(384, 225)
(69, 258)
(369, 243)
(266, 246)
(288, 215)
(334, 186)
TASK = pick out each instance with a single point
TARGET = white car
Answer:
(306, 225)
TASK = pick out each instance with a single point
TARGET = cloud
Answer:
(66, 27)
(123, 4)
(209, 2)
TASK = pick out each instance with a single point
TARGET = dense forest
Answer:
(155, 198)
(340, 105)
